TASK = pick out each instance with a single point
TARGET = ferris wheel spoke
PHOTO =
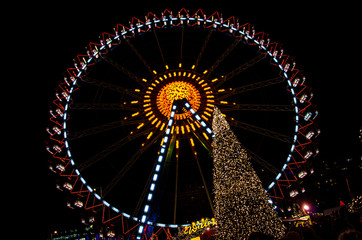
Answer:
(176, 181)
(262, 162)
(110, 149)
(203, 179)
(223, 56)
(159, 45)
(103, 106)
(227, 107)
(240, 69)
(261, 131)
(139, 55)
(223, 93)
(202, 139)
(110, 86)
(182, 43)
(202, 50)
(124, 70)
(103, 128)
(129, 165)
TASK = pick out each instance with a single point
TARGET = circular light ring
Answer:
(59, 145)
(172, 85)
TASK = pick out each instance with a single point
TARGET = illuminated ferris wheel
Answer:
(130, 126)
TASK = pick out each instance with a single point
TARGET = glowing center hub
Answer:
(177, 90)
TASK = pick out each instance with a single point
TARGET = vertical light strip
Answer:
(160, 159)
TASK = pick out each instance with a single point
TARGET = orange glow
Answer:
(176, 91)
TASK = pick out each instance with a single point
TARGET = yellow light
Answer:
(180, 65)
(143, 79)
(203, 116)
(137, 90)
(210, 105)
(154, 72)
(205, 135)
(221, 90)
(193, 127)
(208, 114)
(166, 66)
(210, 100)
(177, 144)
(134, 102)
(182, 129)
(152, 117)
(148, 109)
(135, 114)
(158, 123)
(149, 135)
(177, 130)
(147, 105)
(207, 88)
(193, 66)
(205, 72)
(187, 128)
(162, 126)
(192, 142)
(209, 109)
(146, 96)
(149, 113)
(153, 122)
(141, 125)
(210, 96)
(223, 102)
(214, 80)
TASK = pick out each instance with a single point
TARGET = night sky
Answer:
(324, 40)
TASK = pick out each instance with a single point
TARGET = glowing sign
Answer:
(195, 226)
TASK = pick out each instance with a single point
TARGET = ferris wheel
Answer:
(130, 125)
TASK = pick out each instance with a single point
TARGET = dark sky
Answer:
(324, 40)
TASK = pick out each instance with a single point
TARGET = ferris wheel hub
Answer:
(176, 84)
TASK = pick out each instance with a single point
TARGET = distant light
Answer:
(306, 207)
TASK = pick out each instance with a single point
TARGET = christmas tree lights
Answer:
(241, 204)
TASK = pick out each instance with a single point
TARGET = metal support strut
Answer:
(160, 159)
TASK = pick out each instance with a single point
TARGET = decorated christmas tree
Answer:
(241, 204)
